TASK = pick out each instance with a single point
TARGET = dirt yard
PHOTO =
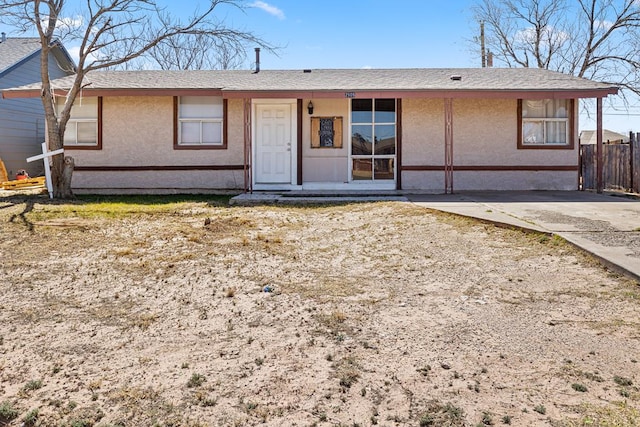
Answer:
(166, 313)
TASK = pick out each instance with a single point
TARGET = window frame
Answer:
(177, 145)
(569, 120)
(97, 120)
(373, 156)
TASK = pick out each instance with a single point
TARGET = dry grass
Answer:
(153, 311)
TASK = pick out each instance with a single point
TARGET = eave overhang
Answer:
(331, 93)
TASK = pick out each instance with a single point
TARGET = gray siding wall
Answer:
(22, 120)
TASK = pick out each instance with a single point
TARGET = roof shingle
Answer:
(15, 49)
(415, 79)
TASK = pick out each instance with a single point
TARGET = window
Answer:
(200, 122)
(373, 139)
(545, 123)
(82, 129)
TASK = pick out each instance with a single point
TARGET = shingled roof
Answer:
(423, 80)
(14, 50)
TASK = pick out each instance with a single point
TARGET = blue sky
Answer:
(367, 34)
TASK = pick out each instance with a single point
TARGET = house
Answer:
(22, 120)
(588, 137)
(417, 130)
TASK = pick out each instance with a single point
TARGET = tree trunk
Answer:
(61, 167)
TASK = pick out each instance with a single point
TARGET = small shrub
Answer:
(196, 380)
(7, 412)
(506, 419)
(31, 418)
(32, 385)
(231, 292)
(426, 420)
(487, 419)
(622, 381)
(579, 387)
(540, 409)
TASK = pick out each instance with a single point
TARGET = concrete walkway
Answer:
(606, 225)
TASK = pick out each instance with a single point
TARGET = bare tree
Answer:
(197, 52)
(110, 33)
(596, 39)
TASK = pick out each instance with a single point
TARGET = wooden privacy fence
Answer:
(620, 166)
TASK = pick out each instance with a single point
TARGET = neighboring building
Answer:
(22, 120)
(588, 137)
(420, 130)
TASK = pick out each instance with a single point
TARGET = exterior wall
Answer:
(22, 120)
(137, 132)
(325, 164)
(485, 139)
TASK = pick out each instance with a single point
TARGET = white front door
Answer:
(273, 144)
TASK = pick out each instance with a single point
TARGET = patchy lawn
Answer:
(133, 312)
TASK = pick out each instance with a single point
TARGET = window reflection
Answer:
(373, 139)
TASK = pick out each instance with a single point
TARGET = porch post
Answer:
(599, 154)
(399, 144)
(448, 145)
(248, 179)
(299, 142)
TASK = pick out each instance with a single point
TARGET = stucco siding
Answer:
(485, 134)
(515, 180)
(151, 182)
(138, 132)
(423, 181)
(325, 164)
(422, 132)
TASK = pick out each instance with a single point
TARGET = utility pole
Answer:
(482, 48)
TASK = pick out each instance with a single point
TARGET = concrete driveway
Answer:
(607, 225)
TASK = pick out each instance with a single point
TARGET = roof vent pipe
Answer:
(257, 60)
(4, 36)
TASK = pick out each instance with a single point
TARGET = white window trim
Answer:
(74, 122)
(373, 156)
(544, 122)
(201, 121)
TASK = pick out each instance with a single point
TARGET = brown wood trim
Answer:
(176, 106)
(572, 132)
(424, 93)
(300, 113)
(491, 168)
(177, 146)
(98, 146)
(399, 144)
(599, 148)
(158, 168)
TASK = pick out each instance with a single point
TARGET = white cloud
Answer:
(74, 52)
(70, 23)
(67, 24)
(528, 35)
(603, 25)
(270, 9)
